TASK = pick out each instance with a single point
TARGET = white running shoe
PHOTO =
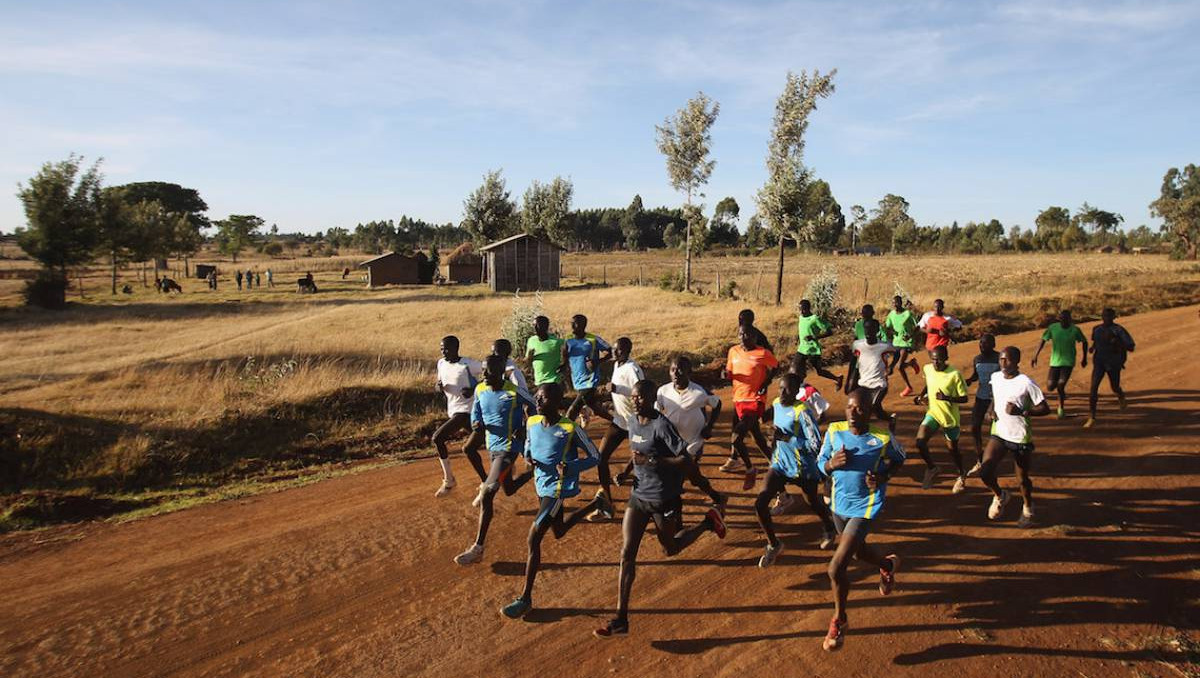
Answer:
(975, 470)
(470, 556)
(998, 504)
(733, 465)
(772, 552)
(959, 485)
(782, 503)
(447, 485)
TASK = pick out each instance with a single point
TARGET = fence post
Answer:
(581, 273)
(604, 274)
(718, 284)
(639, 275)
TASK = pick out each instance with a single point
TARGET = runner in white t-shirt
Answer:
(456, 378)
(626, 373)
(1015, 398)
(871, 369)
(684, 402)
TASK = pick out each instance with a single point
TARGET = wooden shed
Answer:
(394, 269)
(522, 262)
(202, 270)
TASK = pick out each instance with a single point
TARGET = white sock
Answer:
(447, 474)
(1027, 510)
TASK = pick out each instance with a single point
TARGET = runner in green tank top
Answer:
(901, 327)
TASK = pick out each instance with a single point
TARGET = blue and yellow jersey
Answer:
(552, 447)
(797, 440)
(579, 349)
(876, 451)
(502, 412)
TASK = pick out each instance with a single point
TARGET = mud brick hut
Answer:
(394, 268)
(202, 270)
(522, 262)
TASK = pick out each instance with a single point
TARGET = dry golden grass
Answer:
(138, 391)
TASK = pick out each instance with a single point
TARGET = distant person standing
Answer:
(212, 280)
(938, 326)
(1111, 345)
(270, 279)
(1062, 335)
(249, 278)
(812, 329)
(239, 279)
(901, 326)
(257, 280)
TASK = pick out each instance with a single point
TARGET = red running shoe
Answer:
(718, 522)
(833, 639)
(888, 579)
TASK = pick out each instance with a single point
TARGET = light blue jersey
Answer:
(873, 451)
(579, 350)
(548, 447)
(502, 412)
(797, 441)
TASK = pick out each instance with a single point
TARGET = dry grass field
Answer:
(145, 401)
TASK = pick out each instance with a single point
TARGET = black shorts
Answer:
(979, 410)
(1099, 370)
(549, 508)
(853, 527)
(1021, 452)
(669, 508)
(1060, 375)
(812, 360)
(877, 394)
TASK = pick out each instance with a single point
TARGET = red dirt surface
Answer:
(353, 576)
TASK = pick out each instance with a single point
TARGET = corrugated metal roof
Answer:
(509, 239)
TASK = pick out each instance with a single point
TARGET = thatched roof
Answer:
(463, 254)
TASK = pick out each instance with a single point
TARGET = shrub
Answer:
(518, 326)
(729, 289)
(47, 290)
(273, 249)
(822, 292)
(672, 282)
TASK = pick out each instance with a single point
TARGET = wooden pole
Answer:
(640, 275)
(604, 273)
(718, 284)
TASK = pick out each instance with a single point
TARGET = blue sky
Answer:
(314, 115)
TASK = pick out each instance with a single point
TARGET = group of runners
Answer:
(666, 427)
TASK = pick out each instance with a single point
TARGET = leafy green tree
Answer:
(1178, 205)
(237, 233)
(489, 213)
(62, 205)
(1102, 223)
(858, 221)
(632, 223)
(890, 226)
(1051, 223)
(782, 201)
(546, 210)
(684, 140)
(757, 236)
(723, 229)
(156, 229)
(187, 235)
(117, 238)
(822, 215)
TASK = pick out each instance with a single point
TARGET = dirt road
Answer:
(353, 576)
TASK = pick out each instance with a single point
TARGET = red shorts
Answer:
(744, 408)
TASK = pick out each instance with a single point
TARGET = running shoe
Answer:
(600, 515)
(1061, 413)
(887, 578)
(998, 504)
(1026, 520)
(470, 556)
(517, 608)
(833, 639)
(748, 481)
(1121, 401)
(734, 465)
(975, 469)
(782, 503)
(1089, 423)
(959, 485)
(906, 392)
(614, 627)
(930, 473)
(827, 539)
(893, 419)
(483, 490)
(769, 556)
(447, 485)
(717, 521)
